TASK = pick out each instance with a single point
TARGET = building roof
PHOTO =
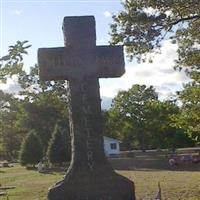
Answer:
(109, 138)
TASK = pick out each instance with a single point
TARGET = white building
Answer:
(111, 146)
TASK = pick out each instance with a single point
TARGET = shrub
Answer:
(58, 149)
(31, 151)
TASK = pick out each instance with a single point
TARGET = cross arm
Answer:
(50, 61)
(63, 63)
(109, 61)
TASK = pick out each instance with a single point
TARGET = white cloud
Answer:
(102, 41)
(11, 86)
(160, 74)
(106, 102)
(17, 12)
(107, 14)
(150, 10)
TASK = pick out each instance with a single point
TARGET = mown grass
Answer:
(30, 185)
(180, 182)
(177, 183)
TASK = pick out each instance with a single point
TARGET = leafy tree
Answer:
(142, 25)
(141, 121)
(58, 149)
(31, 149)
(42, 114)
(129, 112)
(12, 64)
(189, 117)
(161, 126)
(10, 136)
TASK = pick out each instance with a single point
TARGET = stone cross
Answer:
(81, 62)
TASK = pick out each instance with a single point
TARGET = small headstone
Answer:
(82, 63)
(40, 167)
(2, 193)
(7, 187)
(5, 164)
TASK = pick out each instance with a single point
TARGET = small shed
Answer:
(111, 146)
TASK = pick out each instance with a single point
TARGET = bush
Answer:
(58, 149)
(31, 149)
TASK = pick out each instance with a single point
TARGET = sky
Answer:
(40, 22)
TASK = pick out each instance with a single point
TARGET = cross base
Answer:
(98, 185)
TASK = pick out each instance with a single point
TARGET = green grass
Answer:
(177, 183)
(30, 185)
(174, 185)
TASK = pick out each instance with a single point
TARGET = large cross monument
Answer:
(82, 63)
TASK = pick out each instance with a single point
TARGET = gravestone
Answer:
(81, 62)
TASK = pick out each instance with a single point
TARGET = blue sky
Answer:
(40, 22)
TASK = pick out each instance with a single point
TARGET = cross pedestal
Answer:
(81, 62)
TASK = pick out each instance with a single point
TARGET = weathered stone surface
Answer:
(89, 176)
(79, 32)
(65, 63)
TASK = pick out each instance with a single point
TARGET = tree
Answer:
(189, 117)
(142, 25)
(129, 110)
(58, 149)
(31, 150)
(12, 63)
(161, 126)
(10, 136)
(141, 121)
(42, 115)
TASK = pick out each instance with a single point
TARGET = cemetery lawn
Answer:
(177, 183)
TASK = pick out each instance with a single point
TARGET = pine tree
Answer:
(31, 149)
(58, 149)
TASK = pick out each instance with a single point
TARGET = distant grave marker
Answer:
(81, 62)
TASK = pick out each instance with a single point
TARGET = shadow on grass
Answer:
(52, 170)
(56, 170)
(31, 168)
(150, 164)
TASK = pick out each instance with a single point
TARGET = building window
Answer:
(113, 146)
